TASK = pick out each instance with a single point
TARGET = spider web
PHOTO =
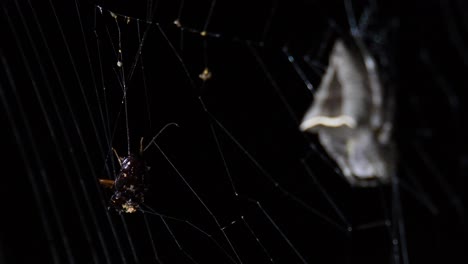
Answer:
(236, 181)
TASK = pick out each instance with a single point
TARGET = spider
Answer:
(129, 185)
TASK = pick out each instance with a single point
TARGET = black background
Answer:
(423, 58)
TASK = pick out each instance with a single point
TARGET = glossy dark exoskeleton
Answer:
(129, 185)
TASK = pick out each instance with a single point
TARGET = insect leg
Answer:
(107, 183)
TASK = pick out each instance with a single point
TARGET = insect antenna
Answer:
(119, 159)
(155, 137)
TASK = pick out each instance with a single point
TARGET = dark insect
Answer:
(129, 185)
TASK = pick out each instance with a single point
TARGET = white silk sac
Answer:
(352, 115)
